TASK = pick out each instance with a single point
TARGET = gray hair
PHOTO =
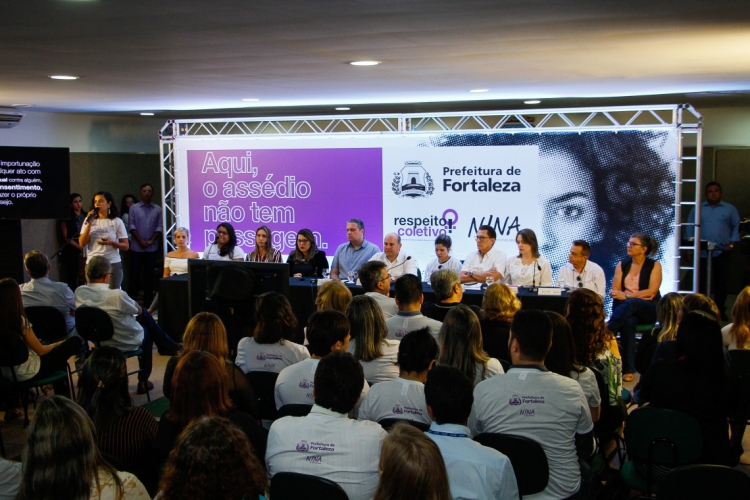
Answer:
(358, 222)
(442, 283)
(97, 268)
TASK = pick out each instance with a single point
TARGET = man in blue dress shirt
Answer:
(351, 255)
(145, 227)
(720, 223)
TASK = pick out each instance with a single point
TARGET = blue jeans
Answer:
(152, 334)
(626, 316)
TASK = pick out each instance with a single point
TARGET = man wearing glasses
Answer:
(377, 284)
(487, 261)
(580, 272)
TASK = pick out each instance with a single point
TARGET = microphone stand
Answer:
(534, 288)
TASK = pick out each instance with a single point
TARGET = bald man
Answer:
(397, 263)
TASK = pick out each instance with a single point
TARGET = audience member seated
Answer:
(448, 294)
(397, 263)
(377, 284)
(271, 348)
(134, 326)
(667, 349)
(736, 335)
(306, 259)
(474, 471)
(206, 332)
(10, 478)
(333, 295)
(43, 360)
(403, 397)
(596, 348)
(61, 459)
(212, 459)
(350, 256)
(369, 342)
(499, 305)
(326, 443)
(695, 383)
(667, 311)
(561, 359)
(41, 291)
(411, 467)
(532, 402)
(327, 331)
(444, 259)
(461, 345)
(123, 431)
(409, 300)
(199, 389)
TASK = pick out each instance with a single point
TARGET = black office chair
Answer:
(294, 410)
(704, 481)
(48, 323)
(388, 423)
(263, 384)
(95, 326)
(293, 486)
(529, 461)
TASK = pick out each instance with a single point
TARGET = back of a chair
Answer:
(388, 423)
(293, 486)
(263, 384)
(294, 410)
(48, 323)
(664, 437)
(527, 457)
(14, 354)
(739, 363)
(704, 481)
(94, 324)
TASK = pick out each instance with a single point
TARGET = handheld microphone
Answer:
(91, 217)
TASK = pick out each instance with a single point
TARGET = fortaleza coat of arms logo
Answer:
(413, 181)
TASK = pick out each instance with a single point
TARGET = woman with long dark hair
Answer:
(224, 247)
(461, 345)
(122, 430)
(369, 343)
(16, 333)
(103, 233)
(528, 268)
(306, 259)
(71, 255)
(264, 251)
(61, 459)
(127, 201)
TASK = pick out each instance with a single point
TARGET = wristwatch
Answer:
(471, 274)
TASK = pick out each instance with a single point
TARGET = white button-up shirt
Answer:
(387, 305)
(398, 267)
(483, 263)
(405, 322)
(255, 357)
(328, 444)
(474, 471)
(397, 398)
(538, 273)
(592, 277)
(45, 292)
(434, 265)
(121, 308)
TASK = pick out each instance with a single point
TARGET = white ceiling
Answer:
(136, 55)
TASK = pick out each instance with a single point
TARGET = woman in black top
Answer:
(306, 259)
(70, 249)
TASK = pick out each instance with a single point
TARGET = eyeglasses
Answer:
(632, 244)
(386, 278)
(303, 241)
(222, 233)
(481, 238)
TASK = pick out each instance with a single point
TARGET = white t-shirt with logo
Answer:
(113, 230)
(254, 357)
(328, 444)
(296, 382)
(405, 322)
(383, 368)
(540, 405)
(398, 398)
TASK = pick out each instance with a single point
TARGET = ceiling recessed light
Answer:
(343, 109)
(534, 101)
(251, 99)
(64, 77)
(364, 63)
(147, 114)
(476, 91)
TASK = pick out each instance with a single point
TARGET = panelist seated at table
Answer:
(224, 246)
(263, 252)
(350, 256)
(487, 261)
(580, 272)
(444, 259)
(528, 268)
(397, 263)
(176, 261)
(306, 260)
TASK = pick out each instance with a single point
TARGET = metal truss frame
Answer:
(682, 117)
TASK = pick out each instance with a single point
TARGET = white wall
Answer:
(726, 126)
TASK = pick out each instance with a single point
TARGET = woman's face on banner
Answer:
(568, 201)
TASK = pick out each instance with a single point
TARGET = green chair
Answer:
(657, 438)
(157, 407)
(693, 482)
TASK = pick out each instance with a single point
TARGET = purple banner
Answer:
(286, 190)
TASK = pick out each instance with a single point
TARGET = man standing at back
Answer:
(532, 402)
(145, 226)
(350, 256)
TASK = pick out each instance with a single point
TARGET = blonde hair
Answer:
(740, 329)
(500, 303)
(461, 342)
(368, 329)
(333, 295)
(206, 332)
(666, 315)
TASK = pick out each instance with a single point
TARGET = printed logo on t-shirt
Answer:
(400, 334)
(303, 446)
(527, 412)
(517, 400)
(263, 357)
(306, 384)
(514, 400)
(400, 410)
(314, 459)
